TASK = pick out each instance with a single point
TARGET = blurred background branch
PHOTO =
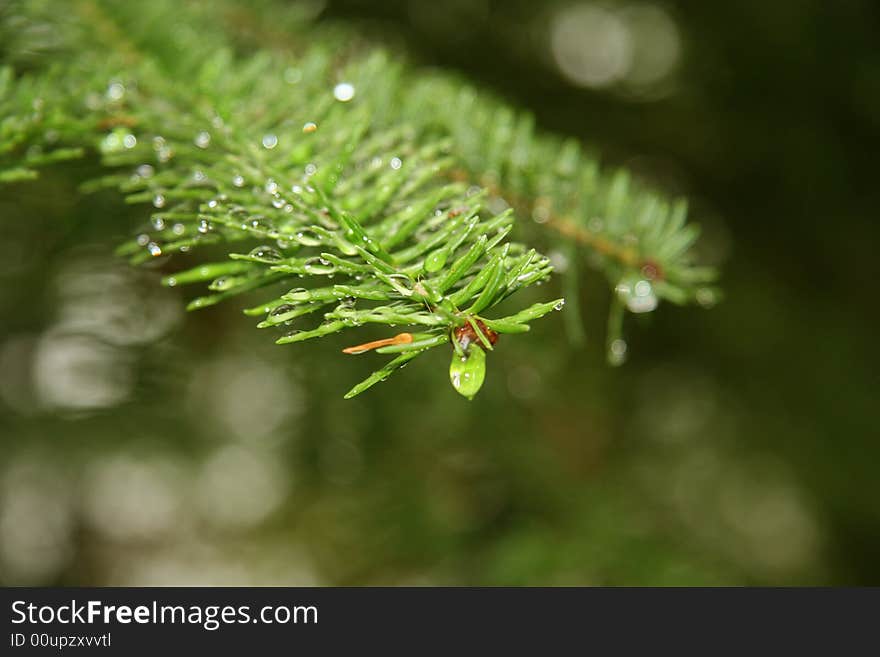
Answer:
(739, 449)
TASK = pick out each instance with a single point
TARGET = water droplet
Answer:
(204, 226)
(238, 180)
(159, 201)
(396, 163)
(278, 203)
(559, 305)
(541, 210)
(308, 237)
(271, 186)
(311, 169)
(222, 283)
(154, 249)
(617, 351)
(467, 373)
(143, 239)
(319, 266)
(270, 141)
(111, 143)
(283, 309)
(402, 283)
(436, 259)
(343, 92)
(145, 171)
(637, 294)
(165, 154)
(310, 127)
(213, 203)
(115, 91)
(203, 139)
(171, 281)
(199, 175)
(298, 294)
(643, 299)
(178, 229)
(265, 253)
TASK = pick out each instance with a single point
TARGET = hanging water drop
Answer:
(158, 223)
(310, 127)
(154, 249)
(270, 141)
(159, 201)
(238, 180)
(203, 139)
(204, 226)
(467, 373)
(559, 305)
(396, 163)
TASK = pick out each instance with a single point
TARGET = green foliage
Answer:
(322, 159)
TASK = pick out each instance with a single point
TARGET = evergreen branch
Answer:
(330, 162)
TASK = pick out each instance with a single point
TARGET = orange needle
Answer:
(400, 338)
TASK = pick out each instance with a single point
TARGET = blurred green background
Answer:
(737, 445)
